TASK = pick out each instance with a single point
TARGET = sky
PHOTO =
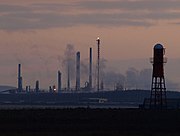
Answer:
(35, 33)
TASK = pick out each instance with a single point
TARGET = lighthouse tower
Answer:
(158, 88)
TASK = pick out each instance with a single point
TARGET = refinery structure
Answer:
(92, 92)
(88, 86)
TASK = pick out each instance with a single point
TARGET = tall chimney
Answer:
(27, 89)
(37, 86)
(77, 71)
(59, 82)
(19, 79)
(90, 69)
(68, 76)
(98, 65)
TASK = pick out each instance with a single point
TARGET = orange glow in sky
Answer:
(35, 33)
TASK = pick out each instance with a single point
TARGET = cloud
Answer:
(5, 8)
(95, 13)
(50, 20)
(132, 5)
(53, 6)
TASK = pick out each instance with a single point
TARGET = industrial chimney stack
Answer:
(37, 86)
(90, 69)
(59, 82)
(78, 71)
(98, 64)
(68, 76)
(19, 79)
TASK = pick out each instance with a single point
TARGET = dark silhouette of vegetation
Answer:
(89, 122)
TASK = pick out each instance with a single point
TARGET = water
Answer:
(9, 106)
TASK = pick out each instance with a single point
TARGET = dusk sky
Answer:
(36, 33)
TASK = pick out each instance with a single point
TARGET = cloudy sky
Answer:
(36, 32)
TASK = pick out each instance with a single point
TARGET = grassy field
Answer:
(89, 122)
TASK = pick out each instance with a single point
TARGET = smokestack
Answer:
(19, 79)
(77, 71)
(98, 64)
(27, 89)
(68, 78)
(59, 82)
(90, 69)
(37, 86)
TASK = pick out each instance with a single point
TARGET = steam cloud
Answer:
(69, 61)
(133, 79)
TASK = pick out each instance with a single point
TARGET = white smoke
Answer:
(69, 62)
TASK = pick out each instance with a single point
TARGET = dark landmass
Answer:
(118, 99)
(5, 88)
(89, 122)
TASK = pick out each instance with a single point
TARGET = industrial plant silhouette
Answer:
(91, 110)
(95, 95)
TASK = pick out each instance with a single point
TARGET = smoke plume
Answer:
(69, 62)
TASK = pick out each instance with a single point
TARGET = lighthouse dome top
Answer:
(158, 46)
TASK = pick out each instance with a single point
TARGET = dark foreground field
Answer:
(89, 122)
